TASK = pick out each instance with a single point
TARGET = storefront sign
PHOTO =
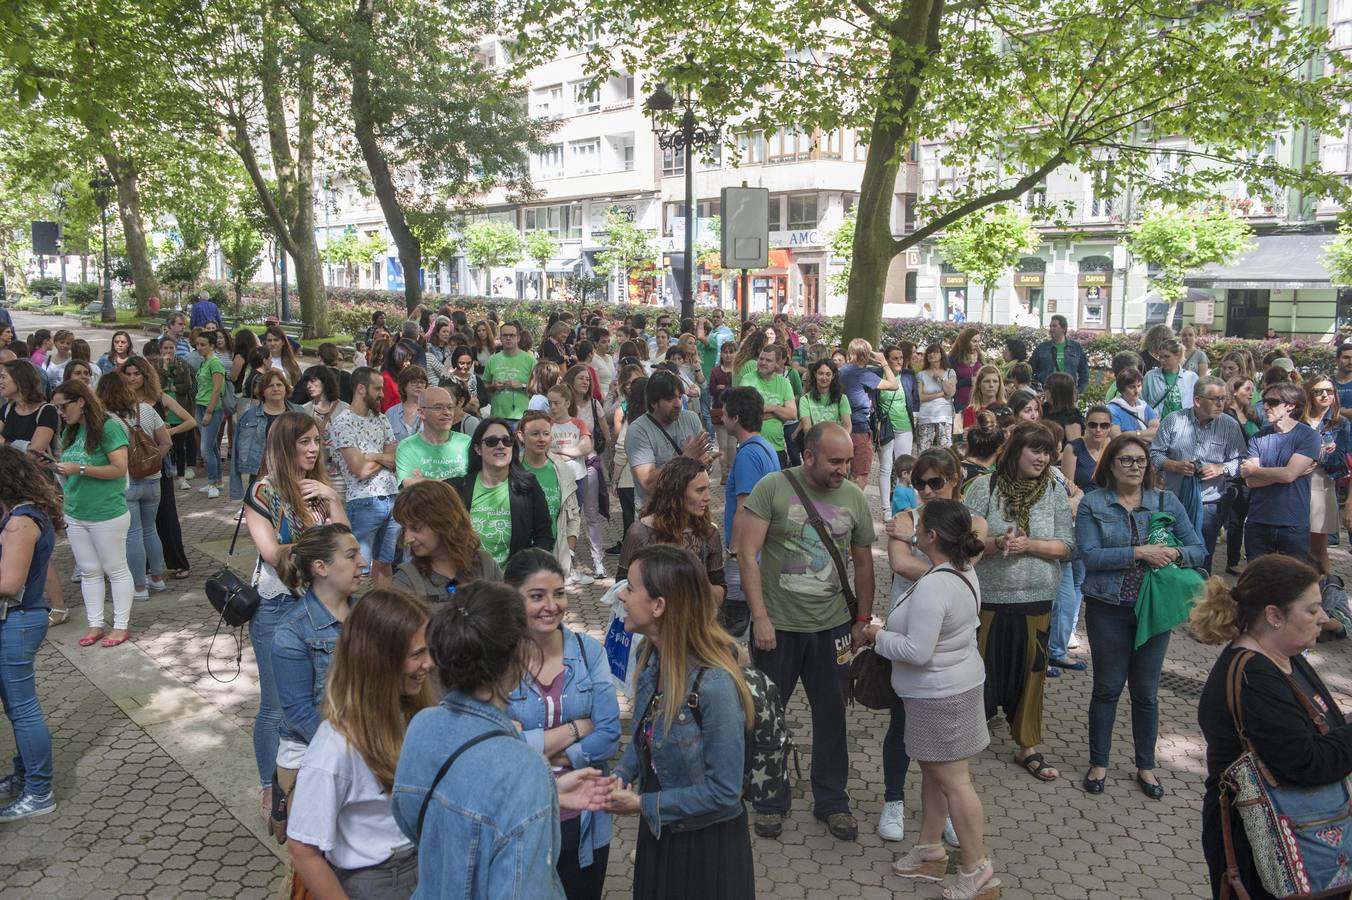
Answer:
(1028, 279)
(1203, 312)
(952, 280)
(1088, 278)
(807, 238)
(1091, 294)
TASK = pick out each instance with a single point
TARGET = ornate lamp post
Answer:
(102, 183)
(684, 139)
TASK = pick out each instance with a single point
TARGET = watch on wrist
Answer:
(82, 468)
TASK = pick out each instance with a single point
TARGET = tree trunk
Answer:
(310, 286)
(133, 230)
(382, 181)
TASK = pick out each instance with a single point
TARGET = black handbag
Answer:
(234, 598)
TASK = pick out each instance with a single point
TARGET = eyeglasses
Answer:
(61, 407)
(1131, 462)
(1211, 399)
(1273, 401)
(495, 441)
(934, 484)
(439, 408)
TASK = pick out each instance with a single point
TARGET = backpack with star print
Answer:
(765, 775)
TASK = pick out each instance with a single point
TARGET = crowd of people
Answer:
(470, 477)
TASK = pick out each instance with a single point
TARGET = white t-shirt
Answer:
(566, 436)
(339, 806)
(940, 409)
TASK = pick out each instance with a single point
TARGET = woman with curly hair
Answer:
(30, 514)
(677, 512)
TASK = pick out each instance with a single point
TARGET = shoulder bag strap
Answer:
(815, 520)
(446, 767)
(961, 577)
(670, 440)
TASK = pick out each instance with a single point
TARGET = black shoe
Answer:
(614, 551)
(1153, 791)
(842, 826)
(1231, 570)
(769, 825)
(1092, 785)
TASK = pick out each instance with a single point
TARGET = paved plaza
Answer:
(156, 781)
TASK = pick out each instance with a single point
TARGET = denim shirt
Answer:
(699, 763)
(1103, 537)
(302, 650)
(492, 826)
(249, 446)
(588, 693)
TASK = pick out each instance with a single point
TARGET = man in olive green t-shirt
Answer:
(507, 374)
(801, 624)
(777, 392)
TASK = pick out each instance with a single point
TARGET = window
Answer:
(619, 89)
(773, 214)
(709, 158)
(563, 222)
(1036, 198)
(673, 161)
(802, 212)
(586, 97)
(751, 148)
(670, 213)
(549, 162)
(547, 102)
(789, 144)
(828, 144)
(627, 156)
(584, 157)
(1101, 203)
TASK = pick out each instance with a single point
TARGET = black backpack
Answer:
(765, 774)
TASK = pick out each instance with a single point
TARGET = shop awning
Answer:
(1277, 262)
(565, 266)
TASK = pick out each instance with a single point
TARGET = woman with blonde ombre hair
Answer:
(693, 839)
(293, 497)
(376, 684)
(988, 390)
(859, 381)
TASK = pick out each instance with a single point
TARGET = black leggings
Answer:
(185, 450)
(626, 508)
(580, 883)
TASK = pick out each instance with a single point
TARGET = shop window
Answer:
(802, 212)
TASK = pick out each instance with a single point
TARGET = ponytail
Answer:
(318, 543)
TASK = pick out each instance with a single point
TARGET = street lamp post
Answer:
(102, 183)
(684, 139)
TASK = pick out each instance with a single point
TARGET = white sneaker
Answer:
(204, 488)
(1073, 643)
(189, 473)
(140, 595)
(156, 586)
(213, 492)
(184, 484)
(75, 579)
(892, 822)
(581, 577)
(950, 836)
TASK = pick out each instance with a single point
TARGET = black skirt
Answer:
(711, 863)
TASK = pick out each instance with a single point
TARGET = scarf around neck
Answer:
(1020, 495)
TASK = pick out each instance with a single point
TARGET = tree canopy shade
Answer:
(1177, 242)
(1338, 258)
(1013, 88)
(988, 244)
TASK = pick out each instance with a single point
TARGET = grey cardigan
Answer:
(1021, 579)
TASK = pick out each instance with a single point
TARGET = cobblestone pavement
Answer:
(157, 785)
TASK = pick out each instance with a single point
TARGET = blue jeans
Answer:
(374, 528)
(1065, 609)
(706, 415)
(145, 552)
(1214, 515)
(1288, 539)
(895, 761)
(1112, 632)
(207, 442)
(21, 634)
(262, 627)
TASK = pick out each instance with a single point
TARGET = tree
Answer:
(490, 243)
(242, 247)
(1011, 89)
(540, 249)
(842, 241)
(1179, 241)
(988, 245)
(1338, 257)
(182, 268)
(625, 246)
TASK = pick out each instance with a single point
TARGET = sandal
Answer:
(181, 574)
(970, 885)
(91, 639)
(113, 642)
(1035, 765)
(57, 617)
(914, 864)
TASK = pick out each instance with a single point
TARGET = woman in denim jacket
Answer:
(1114, 547)
(479, 802)
(566, 709)
(682, 772)
(327, 563)
(251, 429)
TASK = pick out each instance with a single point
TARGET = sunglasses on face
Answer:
(1273, 401)
(1322, 392)
(934, 484)
(496, 441)
(1099, 426)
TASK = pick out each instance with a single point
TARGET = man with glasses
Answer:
(507, 373)
(1199, 449)
(1277, 471)
(435, 453)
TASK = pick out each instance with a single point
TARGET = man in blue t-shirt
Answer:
(1342, 379)
(1277, 471)
(743, 410)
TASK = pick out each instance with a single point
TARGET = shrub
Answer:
(44, 287)
(81, 293)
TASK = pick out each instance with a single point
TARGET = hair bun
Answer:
(972, 544)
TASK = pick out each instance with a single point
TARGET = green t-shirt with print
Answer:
(548, 477)
(434, 461)
(895, 404)
(204, 380)
(744, 374)
(491, 515)
(823, 410)
(510, 403)
(775, 391)
(708, 355)
(91, 499)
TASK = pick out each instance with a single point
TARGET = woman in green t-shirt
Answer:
(210, 416)
(824, 400)
(94, 465)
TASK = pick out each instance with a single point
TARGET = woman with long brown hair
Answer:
(280, 354)
(484, 344)
(341, 834)
(94, 464)
(965, 361)
(143, 377)
(443, 548)
(293, 497)
(677, 512)
(692, 841)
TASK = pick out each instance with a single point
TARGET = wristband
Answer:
(863, 618)
(576, 737)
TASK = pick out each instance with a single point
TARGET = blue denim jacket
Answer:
(699, 768)
(249, 445)
(492, 826)
(1103, 537)
(302, 650)
(588, 693)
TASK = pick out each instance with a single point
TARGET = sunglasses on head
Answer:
(934, 484)
(496, 441)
